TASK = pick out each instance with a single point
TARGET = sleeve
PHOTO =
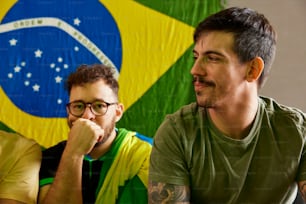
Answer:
(301, 176)
(167, 161)
(21, 183)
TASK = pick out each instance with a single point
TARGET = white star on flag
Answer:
(52, 65)
(36, 88)
(76, 21)
(38, 53)
(17, 69)
(58, 79)
(13, 42)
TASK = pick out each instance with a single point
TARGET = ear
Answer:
(256, 66)
(119, 111)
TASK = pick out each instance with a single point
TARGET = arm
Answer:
(20, 168)
(168, 193)
(302, 188)
(67, 185)
(168, 173)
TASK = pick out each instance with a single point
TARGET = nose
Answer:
(88, 114)
(198, 68)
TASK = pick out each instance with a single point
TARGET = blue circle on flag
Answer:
(42, 42)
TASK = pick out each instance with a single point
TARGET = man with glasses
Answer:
(98, 163)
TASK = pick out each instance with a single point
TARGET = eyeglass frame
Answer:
(90, 107)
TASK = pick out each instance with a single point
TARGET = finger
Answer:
(100, 134)
(99, 139)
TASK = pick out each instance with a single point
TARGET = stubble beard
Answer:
(204, 101)
(204, 97)
(107, 132)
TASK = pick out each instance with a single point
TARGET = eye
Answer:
(195, 55)
(77, 106)
(213, 58)
(99, 105)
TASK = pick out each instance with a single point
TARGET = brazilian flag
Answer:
(148, 42)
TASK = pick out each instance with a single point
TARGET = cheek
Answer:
(102, 121)
(70, 120)
(106, 121)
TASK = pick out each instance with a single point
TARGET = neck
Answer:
(235, 120)
(101, 148)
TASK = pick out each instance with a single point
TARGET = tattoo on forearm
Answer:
(303, 190)
(168, 193)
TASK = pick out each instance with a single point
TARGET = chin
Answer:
(205, 103)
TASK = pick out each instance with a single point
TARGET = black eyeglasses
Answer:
(77, 108)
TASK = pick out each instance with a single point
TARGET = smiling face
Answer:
(219, 77)
(91, 92)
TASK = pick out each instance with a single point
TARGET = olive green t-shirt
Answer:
(261, 168)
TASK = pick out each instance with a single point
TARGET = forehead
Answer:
(92, 91)
(214, 40)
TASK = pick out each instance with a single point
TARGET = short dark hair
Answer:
(253, 35)
(92, 73)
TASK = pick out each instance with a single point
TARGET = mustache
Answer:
(202, 80)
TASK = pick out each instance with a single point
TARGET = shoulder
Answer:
(144, 138)
(280, 111)
(283, 116)
(273, 106)
(122, 133)
(20, 152)
(184, 120)
(134, 138)
(134, 143)
(21, 143)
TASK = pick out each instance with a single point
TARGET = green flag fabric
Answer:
(174, 88)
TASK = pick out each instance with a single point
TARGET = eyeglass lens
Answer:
(78, 108)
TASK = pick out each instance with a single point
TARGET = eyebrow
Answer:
(209, 52)
(76, 101)
(97, 99)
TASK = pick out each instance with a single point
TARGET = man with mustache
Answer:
(232, 145)
(98, 163)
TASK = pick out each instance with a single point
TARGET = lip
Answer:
(196, 83)
(199, 86)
